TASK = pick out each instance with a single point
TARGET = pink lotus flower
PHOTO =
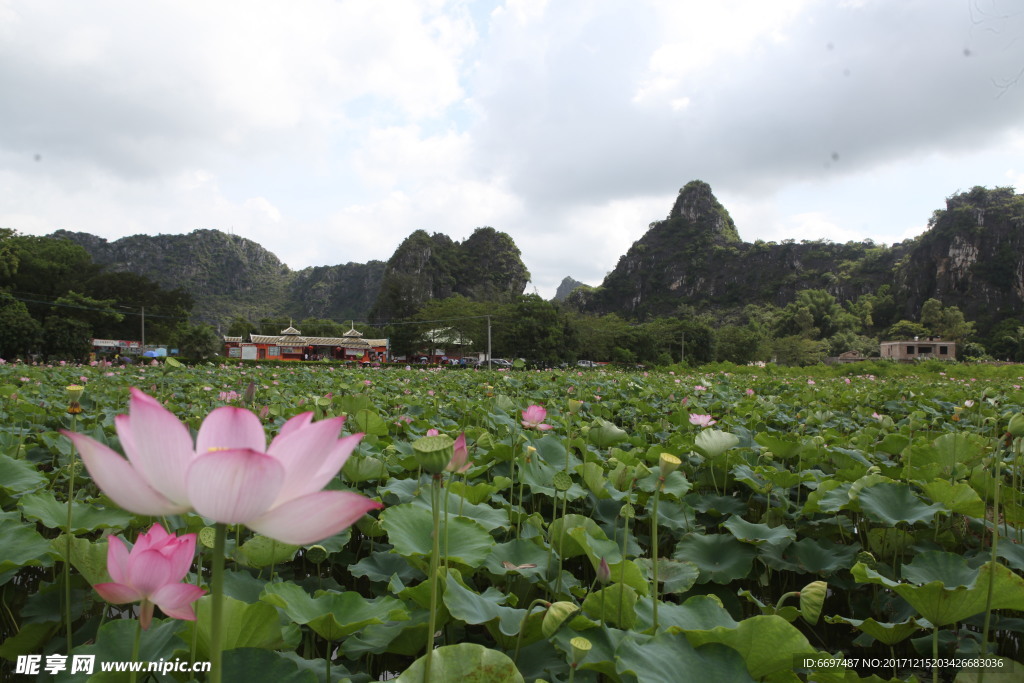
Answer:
(152, 573)
(460, 456)
(229, 475)
(701, 420)
(533, 417)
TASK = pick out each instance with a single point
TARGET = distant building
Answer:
(919, 349)
(291, 345)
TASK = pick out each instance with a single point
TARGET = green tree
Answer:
(906, 329)
(736, 344)
(800, 351)
(67, 338)
(240, 327)
(19, 332)
(197, 341)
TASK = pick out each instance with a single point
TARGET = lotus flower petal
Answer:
(148, 570)
(158, 445)
(234, 486)
(313, 517)
(120, 481)
(118, 593)
(233, 428)
(175, 599)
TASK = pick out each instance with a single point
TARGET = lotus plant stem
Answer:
(625, 542)
(135, 650)
(67, 540)
(435, 503)
(447, 492)
(996, 475)
(522, 625)
(654, 554)
(217, 602)
(935, 654)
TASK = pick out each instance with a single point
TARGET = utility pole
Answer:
(143, 349)
(682, 348)
(488, 342)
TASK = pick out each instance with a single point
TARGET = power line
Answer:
(128, 309)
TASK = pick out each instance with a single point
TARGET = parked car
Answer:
(586, 364)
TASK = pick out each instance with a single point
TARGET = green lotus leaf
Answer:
(812, 600)
(782, 446)
(245, 625)
(474, 608)
(958, 497)
(669, 656)
(604, 434)
(333, 615)
(475, 494)
(617, 606)
(678, 576)
(261, 551)
(810, 555)
(698, 613)
(946, 598)
(23, 547)
(254, 665)
(19, 476)
(360, 468)
(381, 565)
(88, 557)
(758, 534)
(556, 614)
(565, 544)
(720, 557)
(368, 422)
(894, 503)
(712, 442)
(893, 443)
(409, 528)
(520, 556)
(115, 638)
(1002, 670)
(888, 542)
(884, 632)
(767, 643)
(466, 663)
(52, 513)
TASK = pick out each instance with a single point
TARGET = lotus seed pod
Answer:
(316, 554)
(207, 536)
(668, 464)
(562, 481)
(580, 648)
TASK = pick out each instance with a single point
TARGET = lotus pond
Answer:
(753, 525)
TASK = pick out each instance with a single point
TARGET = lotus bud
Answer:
(604, 572)
(249, 395)
(574, 406)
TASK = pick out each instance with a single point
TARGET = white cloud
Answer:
(328, 131)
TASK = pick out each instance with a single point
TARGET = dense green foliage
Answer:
(54, 300)
(838, 512)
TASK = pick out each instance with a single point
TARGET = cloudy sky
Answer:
(327, 131)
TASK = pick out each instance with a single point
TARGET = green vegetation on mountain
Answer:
(688, 288)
